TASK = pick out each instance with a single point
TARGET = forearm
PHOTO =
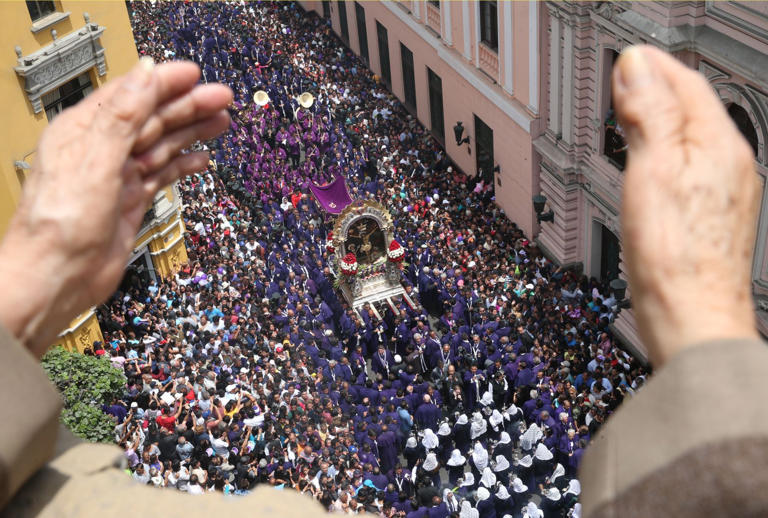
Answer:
(33, 307)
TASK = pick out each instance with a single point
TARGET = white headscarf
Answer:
(482, 494)
(496, 419)
(529, 438)
(411, 442)
(444, 429)
(525, 461)
(552, 493)
(488, 479)
(542, 452)
(502, 493)
(457, 459)
(518, 486)
(480, 457)
(462, 419)
(502, 464)
(559, 472)
(576, 511)
(487, 399)
(430, 463)
(430, 440)
(512, 411)
(468, 479)
(467, 511)
(574, 487)
(532, 511)
(478, 426)
(505, 438)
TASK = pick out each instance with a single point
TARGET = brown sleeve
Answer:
(693, 442)
(30, 416)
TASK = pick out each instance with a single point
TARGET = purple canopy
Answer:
(333, 197)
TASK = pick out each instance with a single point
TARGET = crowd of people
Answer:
(248, 367)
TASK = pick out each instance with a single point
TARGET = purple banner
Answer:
(333, 197)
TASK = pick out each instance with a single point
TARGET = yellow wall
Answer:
(21, 125)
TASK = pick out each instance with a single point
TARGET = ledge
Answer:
(47, 21)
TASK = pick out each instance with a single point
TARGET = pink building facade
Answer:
(473, 62)
(537, 75)
(580, 152)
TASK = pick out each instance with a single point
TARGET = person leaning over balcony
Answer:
(689, 214)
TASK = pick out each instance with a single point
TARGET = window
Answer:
(66, 95)
(381, 35)
(409, 83)
(741, 118)
(362, 31)
(343, 19)
(614, 145)
(484, 151)
(436, 3)
(436, 116)
(489, 25)
(39, 10)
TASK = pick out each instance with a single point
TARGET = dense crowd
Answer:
(248, 368)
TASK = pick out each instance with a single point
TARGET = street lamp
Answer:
(619, 287)
(458, 132)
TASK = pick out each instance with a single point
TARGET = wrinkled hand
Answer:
(97, 170)
(690, 204)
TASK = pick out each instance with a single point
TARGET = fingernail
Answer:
(634, 69)
(142, 71)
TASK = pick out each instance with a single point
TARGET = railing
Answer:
(433, 18)
(489, 62)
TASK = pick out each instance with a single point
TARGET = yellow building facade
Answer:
(53, 53)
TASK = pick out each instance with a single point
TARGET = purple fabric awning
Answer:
(333, 197)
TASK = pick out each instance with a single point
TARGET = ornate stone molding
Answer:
(61, 61)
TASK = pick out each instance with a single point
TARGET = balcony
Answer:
(489, 62)
(433, 18)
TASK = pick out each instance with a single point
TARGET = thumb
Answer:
(646, 104)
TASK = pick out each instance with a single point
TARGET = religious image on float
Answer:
(365, 239)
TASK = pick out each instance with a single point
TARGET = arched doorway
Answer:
(740, 116)
(605, 253)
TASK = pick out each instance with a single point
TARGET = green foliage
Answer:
(85, 383)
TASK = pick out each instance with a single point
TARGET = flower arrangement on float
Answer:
(396, 252)
(349, 265)
(329, 244)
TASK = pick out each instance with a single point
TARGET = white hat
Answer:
(488, 479)
(467, 480)
(518, 486)
(505, 438)
(542, 452)
(462, 419)
(525, 461)
(398, 358)
(444, 429)
(532, 511)
(411, 442)
(576, 511)
(574, 487)
(457, 459)
(531, 435)
(430, 463)
(502, 493)
(559, 472)
(502, 464)
(552, 494)
(430, 440)
(482, 494)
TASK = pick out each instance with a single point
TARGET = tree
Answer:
(86, 383)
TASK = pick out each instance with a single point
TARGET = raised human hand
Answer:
(98, 166)
(689, 206)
